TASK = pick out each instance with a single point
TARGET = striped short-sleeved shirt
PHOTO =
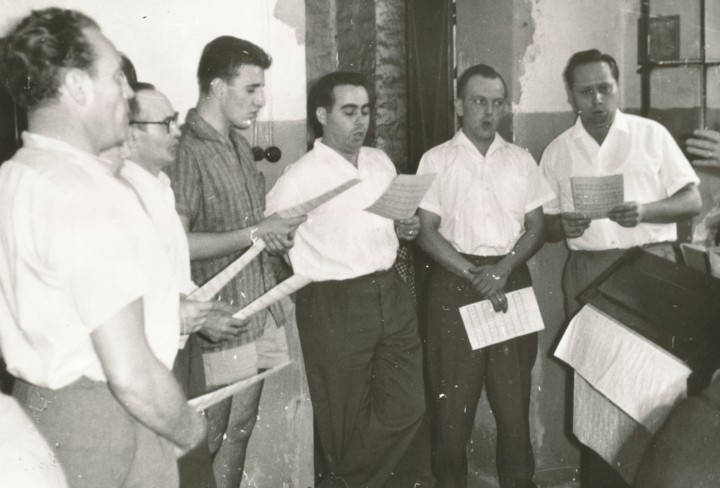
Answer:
(218, 189)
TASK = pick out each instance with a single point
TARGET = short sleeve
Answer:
(433, 198)
(99, 257)
(539, 192)
(676, 171)
(283, 194)
(552, 206)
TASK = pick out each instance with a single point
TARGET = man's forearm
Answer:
(526, 247)
(438, 248)
(155, 399)
(143, 385)
(207, 245)
(684, 203)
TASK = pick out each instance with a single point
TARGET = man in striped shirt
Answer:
(221, 202)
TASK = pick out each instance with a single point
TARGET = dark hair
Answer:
(223, 56)
(39, 48)
(482, 70)
(138, 86)
(128, 70)
(588, 57)
(321, 93)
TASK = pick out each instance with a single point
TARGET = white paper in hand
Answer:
(486, 327)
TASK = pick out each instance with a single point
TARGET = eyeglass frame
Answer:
(167, 122)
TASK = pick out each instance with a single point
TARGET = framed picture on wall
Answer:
(663, 38)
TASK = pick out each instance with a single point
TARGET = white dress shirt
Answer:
(643, 151)
(158, 199)
(482, 200)
(76, 248)
(340, 240)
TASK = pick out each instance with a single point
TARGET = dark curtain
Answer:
(430, 76)
(12, 123)
(431, 116)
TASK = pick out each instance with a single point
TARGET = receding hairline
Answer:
(489, 78)
(146, 95)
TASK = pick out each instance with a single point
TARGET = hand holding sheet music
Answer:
(212, 287)
(486, 327)
(595, 196)
(403, 196)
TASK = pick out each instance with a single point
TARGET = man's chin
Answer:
(244, 124)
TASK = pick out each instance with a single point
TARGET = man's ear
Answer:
(77, 85)
(458, 107)
(218, 88)
(321, 114)
(571, 98)
(132, 142)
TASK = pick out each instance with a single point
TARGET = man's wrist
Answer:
(254, 235)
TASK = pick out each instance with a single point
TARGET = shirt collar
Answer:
(620, 124)
(325, 151)
(84, 158)
(203, 130)
(462, 140)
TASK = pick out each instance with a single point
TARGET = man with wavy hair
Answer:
(81, 269)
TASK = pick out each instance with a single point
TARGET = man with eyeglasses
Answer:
(152, 146)
(221, 201)
(480, 222)
(660, 188)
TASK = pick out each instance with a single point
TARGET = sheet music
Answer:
(402, 197)
(209, 289)
(281, 290)
(210, 399)
(313, 203)
(595, 196)
(486, 327)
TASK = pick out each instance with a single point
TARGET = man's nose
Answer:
(259, 98)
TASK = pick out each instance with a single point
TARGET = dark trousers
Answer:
(363, 360)
(457, 374)
(195, 467)
(96, 441)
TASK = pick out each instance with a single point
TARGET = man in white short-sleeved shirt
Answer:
(82, 271)
(356, 321)
(480, 222)
(660, 188)
(150, 147)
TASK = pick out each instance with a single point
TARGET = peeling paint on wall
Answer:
(292, 13)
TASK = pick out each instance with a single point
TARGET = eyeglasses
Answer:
(167, 122)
